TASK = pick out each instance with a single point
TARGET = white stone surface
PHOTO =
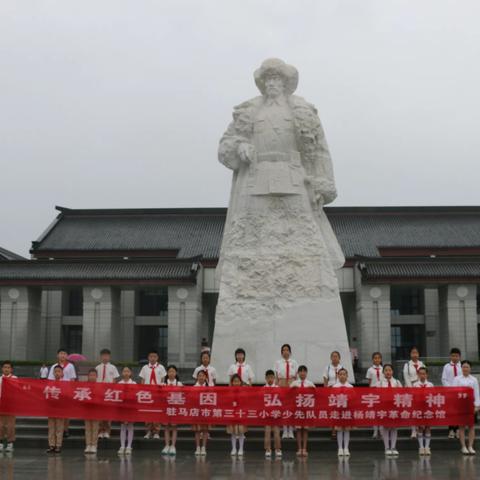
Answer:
(279, 254)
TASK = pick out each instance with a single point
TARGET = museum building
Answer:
(132, 279)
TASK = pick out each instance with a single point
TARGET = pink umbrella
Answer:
(76, 357)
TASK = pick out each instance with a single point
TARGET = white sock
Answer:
(130, 435)
(346, 439)
(386, 439)
(340, 439)
(123, 435)
(234, 442)
(420, 439)
(241, 440)
(427, 440)
(393, 438)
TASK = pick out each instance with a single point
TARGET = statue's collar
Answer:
(280, 101)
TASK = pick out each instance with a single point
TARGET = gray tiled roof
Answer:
(360, 230)
(420, 268)
(8, 255)
(38, 270)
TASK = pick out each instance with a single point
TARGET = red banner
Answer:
(320, 407)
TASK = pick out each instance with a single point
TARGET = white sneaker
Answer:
(233, 453)
(156, 436)
(100, 435)
(9, 447)
(87, 449)
(93, 449)
(128, 451)
(268, 454)
(421, 451)
(346, 452)
(340, 452)
(166, 450)
(292, 435)
(106, 435)
(395, 452)
(172, 450)
(198, 451)
(286, 434)
(278, 454)
(451, 434)
(471, 451)
(465, 451)
(428, 451)
(203, 451)
(388, 452)
(121, 451)
(148, 435)
(240, 452)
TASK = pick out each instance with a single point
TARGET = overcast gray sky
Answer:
(121, 103)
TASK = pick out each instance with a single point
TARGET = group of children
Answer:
(286, 373)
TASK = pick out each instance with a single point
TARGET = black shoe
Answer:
(50, 450)
(58, 450)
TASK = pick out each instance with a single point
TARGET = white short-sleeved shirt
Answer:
(281, 369)
(375, 375)
(69, 372)
(211, 374)
(450, 371)
(127, 382)
(470, 381)
(394, 383)
(302, 384)
(1, 380)
(173, 383)
(198, 385)
(159, 375)
(330, 373)
(410, 372)
(344, 385)
(106, 373)
(273, 385)
(247, 372)
(426, 384)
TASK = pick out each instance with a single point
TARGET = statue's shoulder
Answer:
(254, 102)
(300, 102)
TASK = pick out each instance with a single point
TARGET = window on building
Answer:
(406, 300)
(404, 337)
(74, 306)
(152, 302)
(151, 337)
(72, 338)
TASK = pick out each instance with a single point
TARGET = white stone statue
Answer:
(279, 253)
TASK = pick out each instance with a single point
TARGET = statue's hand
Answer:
(246, 151)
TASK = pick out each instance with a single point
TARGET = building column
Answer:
(127, 326)
(373, 322)
(184, 325)
(458, 318)
(51, 320)
(101, 320)
(20, 325)
(432, 323)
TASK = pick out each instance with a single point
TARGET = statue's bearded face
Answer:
(274, 85)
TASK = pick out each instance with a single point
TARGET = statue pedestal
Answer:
(313, 328)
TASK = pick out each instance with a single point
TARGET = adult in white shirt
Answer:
(410, 375)
(240, 368)
(106, 373)
(285, 373)
(210, 371)
(466, 379)
(43, 372)
(451, 370)
(153, 373)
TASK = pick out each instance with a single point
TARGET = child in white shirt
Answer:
(375, 376)
(201, 430)
(170, 429)
(126, 428)
(106, 373)
(468, 380)
(389, 434)
(410, 374)
(237, 432)
(343, 433)
(302, 432)
(152, 374)
(240, 368)
(423, 432)
(269, 429)
(7, 422)
(451, 370)
(286, 372)
(210, 371)
(330, 374)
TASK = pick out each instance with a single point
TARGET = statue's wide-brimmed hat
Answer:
(276, 66)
